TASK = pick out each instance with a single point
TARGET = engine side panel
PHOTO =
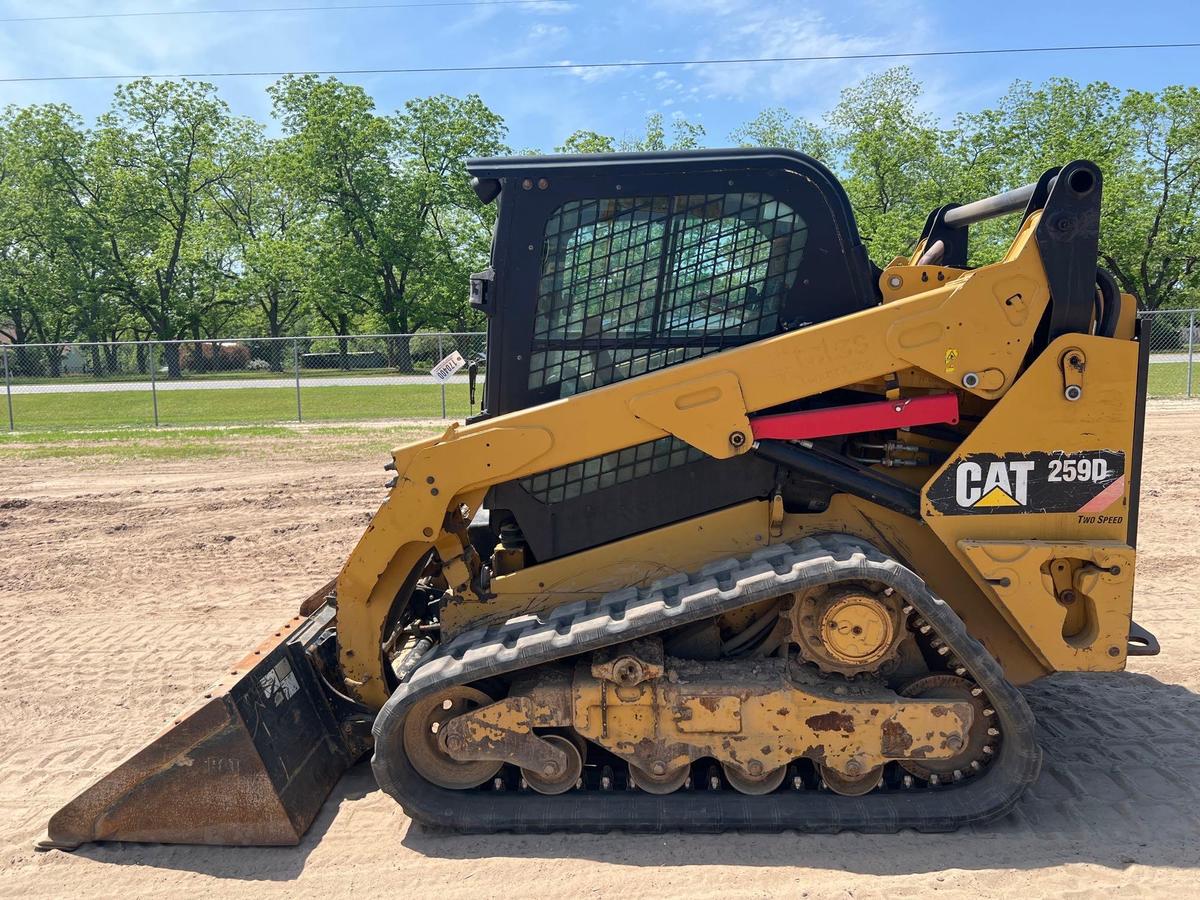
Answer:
(1043, 479)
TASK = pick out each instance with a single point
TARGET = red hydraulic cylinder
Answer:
(857, 418)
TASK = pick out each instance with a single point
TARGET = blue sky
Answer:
(541, 108)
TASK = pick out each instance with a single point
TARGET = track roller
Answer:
(754, 784)
(667, 782)
(563, 781)
(851, 785)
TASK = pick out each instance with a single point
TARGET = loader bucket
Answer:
(250, 765)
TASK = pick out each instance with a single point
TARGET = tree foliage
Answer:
(169, 217)
(684, 135)
(898, 164)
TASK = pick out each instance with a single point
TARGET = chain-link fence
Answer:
(1174, 336)
(237, 381)
(354, 378)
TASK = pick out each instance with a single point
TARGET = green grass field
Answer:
(1170, 379)
(266, 406)
(216, 375)
(236, 406)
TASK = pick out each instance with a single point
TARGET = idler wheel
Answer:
(423, 741)
(982, 736)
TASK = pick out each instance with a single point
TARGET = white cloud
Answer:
(593, 74)
(736, 29)
(147, 45)
(465, 19)
(543, 33)
(541, 107)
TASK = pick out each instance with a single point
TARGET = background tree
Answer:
(898, 164)
(449, 231)
(170, 218)
(684, 135)
(587, 141)
(158, 155)
(52, 284)
(392, 189)
(340, 284)
(892, 160)
(1152, 242)
(777, 127)
(270, 231)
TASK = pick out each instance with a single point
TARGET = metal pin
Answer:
(960, 671)
(908, 781)
(976, 691)
(714, 783)
(498, 783)
(958, 775)
(942, 651)
(797, 783)
(989, 712)
(925, 629)
(975, 765)
(993, 732)
(933, 779)
(988, 751)
(906, 610)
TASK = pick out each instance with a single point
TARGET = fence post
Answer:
(1191, 339)
(296, 369)
(7, 385)
(153, 363)
(441, 356)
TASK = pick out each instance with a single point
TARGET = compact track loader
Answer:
(749, 533)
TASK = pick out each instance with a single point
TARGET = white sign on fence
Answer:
(448, 366)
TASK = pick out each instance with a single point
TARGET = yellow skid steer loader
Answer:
(749, 534)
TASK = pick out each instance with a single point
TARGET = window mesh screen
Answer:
(634, 284)
(568, 482)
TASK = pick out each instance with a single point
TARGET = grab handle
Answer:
(990, 207)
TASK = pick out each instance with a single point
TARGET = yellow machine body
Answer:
(706, 401)
(857, 630)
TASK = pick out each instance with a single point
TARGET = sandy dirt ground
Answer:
(125, 589)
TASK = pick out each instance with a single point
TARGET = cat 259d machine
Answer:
(750, 534)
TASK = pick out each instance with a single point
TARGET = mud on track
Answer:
(125, 589)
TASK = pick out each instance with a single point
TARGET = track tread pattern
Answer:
(622, 615)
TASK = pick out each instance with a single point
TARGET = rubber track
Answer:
(622, 615)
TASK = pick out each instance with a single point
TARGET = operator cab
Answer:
(608, 266)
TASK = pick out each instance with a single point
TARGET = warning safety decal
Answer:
(1087, 483)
